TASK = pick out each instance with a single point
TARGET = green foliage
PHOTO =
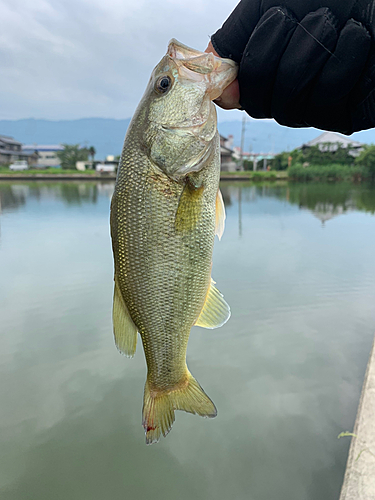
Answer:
(92, 152)
(325, 154)
(346, 434)
(248, 165)
(280, 162)
(315, 155)
(330, 172)
(71, 154)
(367, 160)
(263, 174)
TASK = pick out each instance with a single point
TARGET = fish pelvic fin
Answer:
(215, 311)
(124, 329)
(159, 406)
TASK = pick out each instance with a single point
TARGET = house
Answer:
(226, 154)
(83, 165)
(108, 165)
(11, 150)
(332, 141)
(47, 154)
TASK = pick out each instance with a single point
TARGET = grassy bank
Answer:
(58, 173)
(332, 172)
(48, 171)
(320, 173)
(260, 175)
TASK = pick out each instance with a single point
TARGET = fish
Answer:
(165, 211)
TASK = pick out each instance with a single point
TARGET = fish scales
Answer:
(173, 270)
(163, 220)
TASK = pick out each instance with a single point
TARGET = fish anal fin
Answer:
(220, 215)
(189, 207)
(159, 406)
(215, 311)
(124, 329)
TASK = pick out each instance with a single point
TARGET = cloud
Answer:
(85, 58)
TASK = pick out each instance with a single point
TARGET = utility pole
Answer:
(243, 138)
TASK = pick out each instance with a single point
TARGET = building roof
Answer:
(225, 150)
(333, 137)
(9, 152)
(28, 151)
(9, 140)
(48, 147)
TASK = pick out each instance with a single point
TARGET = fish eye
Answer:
(163, 84)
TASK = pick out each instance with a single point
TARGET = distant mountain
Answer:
(107, 135)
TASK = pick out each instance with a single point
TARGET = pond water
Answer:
(296, 264)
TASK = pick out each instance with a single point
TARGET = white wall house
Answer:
(331, 141)
(84, 165)
(47, 156)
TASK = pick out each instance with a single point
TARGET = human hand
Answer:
(302, 66)
(230, 98)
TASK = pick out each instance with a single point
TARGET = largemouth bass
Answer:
(165, 212)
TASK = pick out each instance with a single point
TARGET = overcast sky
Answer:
(67, 59)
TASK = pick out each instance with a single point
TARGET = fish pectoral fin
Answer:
(159, 406)
(189, 208)
(220, 215)
(124, 328)
(215, 311)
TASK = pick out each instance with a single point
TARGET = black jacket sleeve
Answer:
(304, 63)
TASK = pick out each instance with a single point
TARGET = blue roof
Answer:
(37, 147)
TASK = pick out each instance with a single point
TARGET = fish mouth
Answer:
(194, 65)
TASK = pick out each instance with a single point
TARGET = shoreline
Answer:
(359, 479)
(57, 177)
(225, 176)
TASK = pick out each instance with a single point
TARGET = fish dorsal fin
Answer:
(124, 328)
(215, 311)
(220, 215)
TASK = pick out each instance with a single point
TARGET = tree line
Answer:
(73, 153)
(328, 160)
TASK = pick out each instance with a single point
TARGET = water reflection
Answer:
(285, 372)
(15, 195)
(12, 196)
(324, 201)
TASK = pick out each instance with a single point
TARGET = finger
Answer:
(329, 101)
(344, 68)
(211, 49)
(259, 65)
(230, 98)
(362, 99)
(340, 8)
(231, 39)
(311, 45)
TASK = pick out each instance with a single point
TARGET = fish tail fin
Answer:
(159, 406)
